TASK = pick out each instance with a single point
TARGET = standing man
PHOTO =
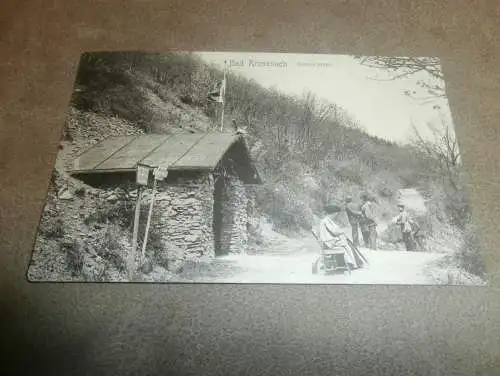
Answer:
(369, 221)
(406, 224)
(354, 216)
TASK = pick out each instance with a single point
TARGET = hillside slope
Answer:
(309, 153)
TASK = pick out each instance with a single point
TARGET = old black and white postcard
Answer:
(258, 168)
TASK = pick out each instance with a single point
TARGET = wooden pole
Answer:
(135, 232)
(148, 223)
(223, 95)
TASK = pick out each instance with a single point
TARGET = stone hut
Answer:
(202, 206)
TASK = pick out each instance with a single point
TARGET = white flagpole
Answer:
(223, 94)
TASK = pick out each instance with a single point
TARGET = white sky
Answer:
(381, 107)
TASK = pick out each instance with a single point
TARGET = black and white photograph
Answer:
(233, 167)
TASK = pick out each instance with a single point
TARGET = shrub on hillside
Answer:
(436, 198)
(52, 228)
(444, 238)
(409, 177)
(348, 172)
(288, 210)
(74, 256)
(457, 206)
(120, 212)
(468, 256)
(156, 250)
(111, 247)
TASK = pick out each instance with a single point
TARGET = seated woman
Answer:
(334, 240)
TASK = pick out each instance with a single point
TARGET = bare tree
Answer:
(442, 148)
(315, 127)
(404, 67)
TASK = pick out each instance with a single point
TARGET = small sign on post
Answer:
(142, 174)
(161, 173)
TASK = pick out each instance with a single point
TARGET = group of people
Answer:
(364, 218)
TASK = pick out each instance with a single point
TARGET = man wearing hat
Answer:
(406, 224)
(354, 216)
(368, 221)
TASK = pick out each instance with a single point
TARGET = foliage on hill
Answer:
(309, 152)
(290, 137)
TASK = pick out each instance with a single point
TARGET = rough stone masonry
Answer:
(183, 214)
(235, 217)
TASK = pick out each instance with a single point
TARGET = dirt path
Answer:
(290, 261)
(413, 199)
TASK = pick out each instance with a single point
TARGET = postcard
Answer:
(233, 167)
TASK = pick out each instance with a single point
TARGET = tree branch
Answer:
(403, 67)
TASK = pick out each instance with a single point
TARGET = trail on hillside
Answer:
(412, 199)
(289, 261)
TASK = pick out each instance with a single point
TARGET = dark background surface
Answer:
(125, 329)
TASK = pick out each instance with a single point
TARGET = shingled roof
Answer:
(192, 151)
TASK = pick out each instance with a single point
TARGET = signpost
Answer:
(159, 174)
(223, 94)
(142, 177)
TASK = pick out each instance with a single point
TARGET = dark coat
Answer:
(353, 213)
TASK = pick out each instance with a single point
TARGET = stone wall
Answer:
(183, 215)
(235, 217)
